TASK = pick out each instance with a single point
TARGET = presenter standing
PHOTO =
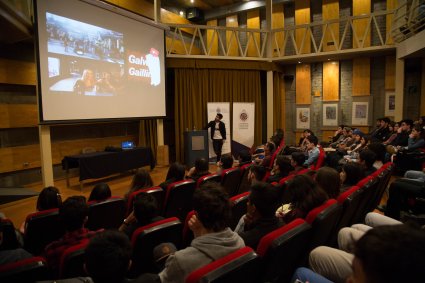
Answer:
(218, 134)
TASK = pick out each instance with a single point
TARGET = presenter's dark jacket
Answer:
(221, 127)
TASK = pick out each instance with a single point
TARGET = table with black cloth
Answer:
(101, 164)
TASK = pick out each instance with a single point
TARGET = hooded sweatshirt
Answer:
(202, 250)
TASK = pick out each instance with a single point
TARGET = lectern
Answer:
(195, 146)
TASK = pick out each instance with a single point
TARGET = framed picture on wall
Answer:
(389, 103)
(360, 113)
(330, 114)
(303, 118)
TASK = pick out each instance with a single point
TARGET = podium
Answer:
(195, 146)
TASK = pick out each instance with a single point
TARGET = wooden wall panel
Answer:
(231, 39)
(302, 16)
(331, 81)
(361, 7)
(212, 39)
(330, 11)
(391, 5)
(390, 73)
(17, 72)
(361, 76)
(298, 135)
(303, 84)
(283, 102)
(253, 22)
(327, 134)
(278, 22)
(28, 156)
(18, 115)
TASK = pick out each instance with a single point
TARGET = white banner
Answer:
(243, 125)
(213, 109)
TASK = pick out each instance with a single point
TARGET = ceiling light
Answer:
(299, 62)
(181, 13)
(191, 1)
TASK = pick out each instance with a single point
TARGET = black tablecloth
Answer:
(101, 164)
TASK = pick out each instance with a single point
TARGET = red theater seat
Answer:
(238, 208)
(178, 199)
(157, 192)
(239, 266)
(208, 178)
(26, 270)
(72, 261)
(106, 214)
(230, 179)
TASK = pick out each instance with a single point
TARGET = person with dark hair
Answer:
(213, 239)
(108, 257)
(145, 211)
(48, 198)
(415, 141)
(278, 136)
(281, 168)
(260, 218)
(409, 157)
(304, 195)
(256, 173)
(9, 254)
(269, 149)
(226, 162)
(380, 151)
(302, 144)
(389, 254)
(383, 133)
(244, 157)
(100, 192)
(350, 175)
(337, 134)
(297, 161)
(175, 173)
(366, 159)
(141, 180)
(73, 215)
(218, 134)
(312, 150)
(200, 169)
(329, 181)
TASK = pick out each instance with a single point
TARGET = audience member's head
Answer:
(226, 161)
(389, 254)
(256, 173)
(364, 141)
(283, 165)
(351, 174)
(263, 200)
(176, 172)
(141, 180)
(305, 194)
(307, 132)
(145, 208)
(244, 157)
(201, 166)
(269, 148)
(49, 198)
(100, 192)
(73, 213)
(279, 133)
(406, 125)
(297, 159)
(108, 257)
(417, 132)
(313, 140)
(378, 149)
(328, 179)
(384, 122)
(212, 207)
(367, 157)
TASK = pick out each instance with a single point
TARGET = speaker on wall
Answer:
(194, 14)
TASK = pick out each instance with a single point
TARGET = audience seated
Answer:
(175, 173)
(312, 150)
(260, 218)
(108, 257)
(268, 152)
(213, 239)
(225, 162)
(145, 211)
(337, 134)
(100, 192)
(297, 161)
(48, 198)
(351, 173)
(244, 157)
(383, 133)
(256, 173)
(200, 169)
(141, 180)
(367, 159)
(73, 214)
(305, 195)
(379, 150)
(281, 168)
(329, 181)
(9, 255)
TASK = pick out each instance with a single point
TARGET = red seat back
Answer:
(244, 184)
(72, 261)
(238, 208)
(230, 179)
(26, 270)
(178, 199)
(157, 192)
(240, 266)
(187, 234)
(321, 160)
(283, 250)
(107, 214)
(147, 237)
(214, 177)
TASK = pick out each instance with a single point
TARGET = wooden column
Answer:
(361, 76)
(303, 84)
(390, 72)
(330, 11)
(331, 81)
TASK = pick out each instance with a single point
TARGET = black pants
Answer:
(217, 145)
(399, 192)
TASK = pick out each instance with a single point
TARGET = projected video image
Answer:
(85, 77)
(74, 38)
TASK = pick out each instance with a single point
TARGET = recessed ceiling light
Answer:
(181, 13)
(191, 1)
(329, 59)
(299, 62)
